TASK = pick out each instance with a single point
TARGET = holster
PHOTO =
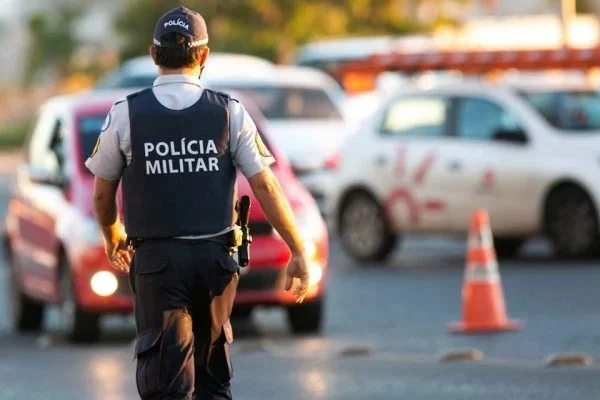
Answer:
(234, 237)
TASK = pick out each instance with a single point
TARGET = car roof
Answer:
(466, 87)
(228, 69)
(78, 102)
(278, 75)
(474, 87)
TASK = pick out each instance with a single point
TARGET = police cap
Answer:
(185, 22)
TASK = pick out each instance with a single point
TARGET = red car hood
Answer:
(296, 194)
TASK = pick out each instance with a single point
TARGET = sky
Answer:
(8, 8)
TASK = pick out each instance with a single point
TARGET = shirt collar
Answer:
(167, 79)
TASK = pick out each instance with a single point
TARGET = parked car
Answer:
(55, 250)
(427, 159)
(303, 107)
(140, 72)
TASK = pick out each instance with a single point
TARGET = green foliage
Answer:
(13, 134)
(268, 28)
(585, 6)
(52, 43)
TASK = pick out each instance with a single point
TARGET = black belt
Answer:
(227, 239)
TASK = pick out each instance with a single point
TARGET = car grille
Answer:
(263, 279)
(260, 228)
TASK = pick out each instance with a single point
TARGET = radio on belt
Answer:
(244, 248)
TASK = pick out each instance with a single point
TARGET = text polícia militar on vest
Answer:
(181, 157)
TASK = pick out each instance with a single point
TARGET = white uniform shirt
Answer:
(176, 92)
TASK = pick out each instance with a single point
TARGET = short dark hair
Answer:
(174, 53)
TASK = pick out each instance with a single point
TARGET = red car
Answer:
(55, 249)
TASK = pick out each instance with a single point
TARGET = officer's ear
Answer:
(204, 51)
(152, 51)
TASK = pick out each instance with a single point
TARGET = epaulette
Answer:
(132, 95)
(222, 94)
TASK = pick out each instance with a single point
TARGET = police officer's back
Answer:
(176, 148)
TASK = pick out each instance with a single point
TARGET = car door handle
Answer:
(381, 160)
(454, 165)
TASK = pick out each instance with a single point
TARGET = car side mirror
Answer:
(45, 176)
(510, 135)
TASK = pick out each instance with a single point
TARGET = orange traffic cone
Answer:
(484, 309)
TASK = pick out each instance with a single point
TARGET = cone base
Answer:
(463, 327)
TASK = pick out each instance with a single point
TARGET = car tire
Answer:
(364, 229)
(507, 247)
(572, 222)
(80, 326)
(27, 315)
(306, 317)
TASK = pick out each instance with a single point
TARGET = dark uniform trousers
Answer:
(184, 292)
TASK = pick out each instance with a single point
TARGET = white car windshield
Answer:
(568, 110)
(288, 102)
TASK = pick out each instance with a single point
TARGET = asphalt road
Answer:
(385, 332)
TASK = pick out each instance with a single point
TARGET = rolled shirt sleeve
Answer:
(107, 160)
(250, 154)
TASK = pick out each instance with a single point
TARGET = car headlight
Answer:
(315, 273)
(104, 283)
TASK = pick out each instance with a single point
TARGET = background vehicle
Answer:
(141, 71)
(55, 250)
(303, 107)
(428, 158)
(331, 54)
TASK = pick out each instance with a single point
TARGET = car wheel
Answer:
(26, 314)
(572, 222)
(364, 230)
(306, 317)
(79, 325)
(507, 247)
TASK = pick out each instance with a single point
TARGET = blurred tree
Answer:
(581, 6)
(52, 42)
(586, 6)
(270, 28)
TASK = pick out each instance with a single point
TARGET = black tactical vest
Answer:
(181, 179)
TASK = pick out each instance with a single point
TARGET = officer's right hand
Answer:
(117, 251)
(297, 268)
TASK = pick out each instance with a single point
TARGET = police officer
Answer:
(175, 148)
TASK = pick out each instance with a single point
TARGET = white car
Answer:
(303, 107)
(427, 159)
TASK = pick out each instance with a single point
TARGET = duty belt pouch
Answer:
(234, 238)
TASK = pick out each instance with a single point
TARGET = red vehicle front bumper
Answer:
(85, 265)
(261, 283)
